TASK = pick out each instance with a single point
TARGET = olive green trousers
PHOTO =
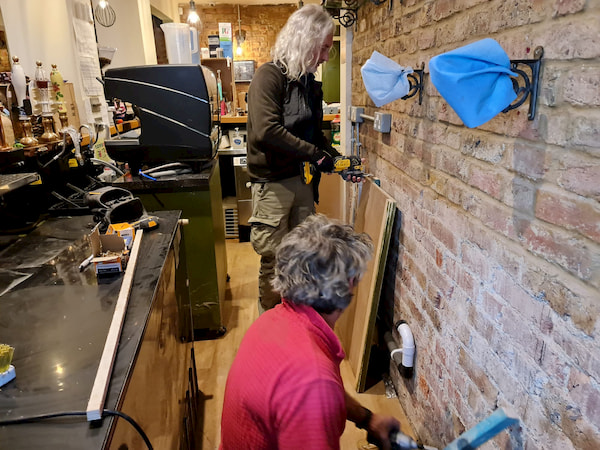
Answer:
(277, 207)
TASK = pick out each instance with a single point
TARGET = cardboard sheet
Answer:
(374, 216)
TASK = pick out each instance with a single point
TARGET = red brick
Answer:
(580, 175)
(569, 211)
(529, 159)
(560, 247)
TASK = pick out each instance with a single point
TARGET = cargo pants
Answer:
(277, 207)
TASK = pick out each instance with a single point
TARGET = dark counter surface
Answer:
(190, 181)
(57, 318)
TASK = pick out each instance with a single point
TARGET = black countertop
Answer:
(57, 318)
(190, 181)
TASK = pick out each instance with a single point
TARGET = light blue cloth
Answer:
(384, 79)
(474, 80)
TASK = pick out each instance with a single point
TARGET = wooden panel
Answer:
(156, 391)
(374, 216)
(331, 194)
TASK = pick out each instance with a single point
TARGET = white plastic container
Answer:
(178, 43)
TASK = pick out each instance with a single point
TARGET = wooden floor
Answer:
(214, 357)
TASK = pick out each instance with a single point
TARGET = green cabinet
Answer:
(199, 198)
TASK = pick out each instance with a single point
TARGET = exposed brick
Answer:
(564, 7)
(580, 175)
(582, 86)
(529, 159)
(569, 211)
(518, 199)
(490, 151)
(477, 376)
(572, 39)
(586, 130)
(560, 247)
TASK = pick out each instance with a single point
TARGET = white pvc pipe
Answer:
(408, 345)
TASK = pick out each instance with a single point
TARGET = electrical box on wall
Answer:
(355, 114)
(382, 122)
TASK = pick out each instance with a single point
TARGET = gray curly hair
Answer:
(297, 46)
(319, 261)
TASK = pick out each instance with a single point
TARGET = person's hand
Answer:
(323, 161)
(380, 427)
(355, 177)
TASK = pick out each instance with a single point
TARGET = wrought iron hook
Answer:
(529, 89)
(415, 81)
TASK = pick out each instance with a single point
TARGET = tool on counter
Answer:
(7, 371)
(86, 262)
(145, 223)
(343, 165)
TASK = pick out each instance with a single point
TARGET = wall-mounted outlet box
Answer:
(355, 114)
(382, 122)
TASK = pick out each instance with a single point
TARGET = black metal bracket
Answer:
(415, 81)
(345, 10)
(524, 86)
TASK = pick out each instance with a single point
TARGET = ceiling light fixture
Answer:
(193, 18)
(240, 36)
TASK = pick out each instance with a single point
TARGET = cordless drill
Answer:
(344, 165)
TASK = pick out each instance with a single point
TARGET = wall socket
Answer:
(354, 113)
(382, 122)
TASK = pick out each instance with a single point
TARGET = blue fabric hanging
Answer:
(384, 79)
(475, 80)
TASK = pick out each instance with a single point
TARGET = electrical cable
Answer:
(105, 412)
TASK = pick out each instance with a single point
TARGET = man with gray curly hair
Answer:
(285, 131)
(284, 389)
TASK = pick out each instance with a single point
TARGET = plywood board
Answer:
(374, 216)
(331, 195)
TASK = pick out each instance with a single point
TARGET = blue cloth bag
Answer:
(384, 79)
(474, 80)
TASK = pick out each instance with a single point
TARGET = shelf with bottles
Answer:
(224, 65)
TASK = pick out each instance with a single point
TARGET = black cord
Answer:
(105, 412)
(133, 423)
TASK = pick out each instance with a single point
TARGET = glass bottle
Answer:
(42, 82)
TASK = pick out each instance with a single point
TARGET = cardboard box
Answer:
(124, 230)
(109, 252)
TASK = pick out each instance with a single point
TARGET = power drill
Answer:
(344, 165)
(348, 166)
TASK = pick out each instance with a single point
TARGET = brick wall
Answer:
(260, 22)
(498, 258)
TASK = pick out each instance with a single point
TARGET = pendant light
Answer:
(240, 36)
(193, 18)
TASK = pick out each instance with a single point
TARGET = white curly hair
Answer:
(299, 41)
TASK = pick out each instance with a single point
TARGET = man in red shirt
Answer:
(284, 389)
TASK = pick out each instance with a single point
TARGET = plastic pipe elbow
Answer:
(408, 350)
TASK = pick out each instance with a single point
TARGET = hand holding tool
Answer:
(348, 167)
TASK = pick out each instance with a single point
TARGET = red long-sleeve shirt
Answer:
(284, 389)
